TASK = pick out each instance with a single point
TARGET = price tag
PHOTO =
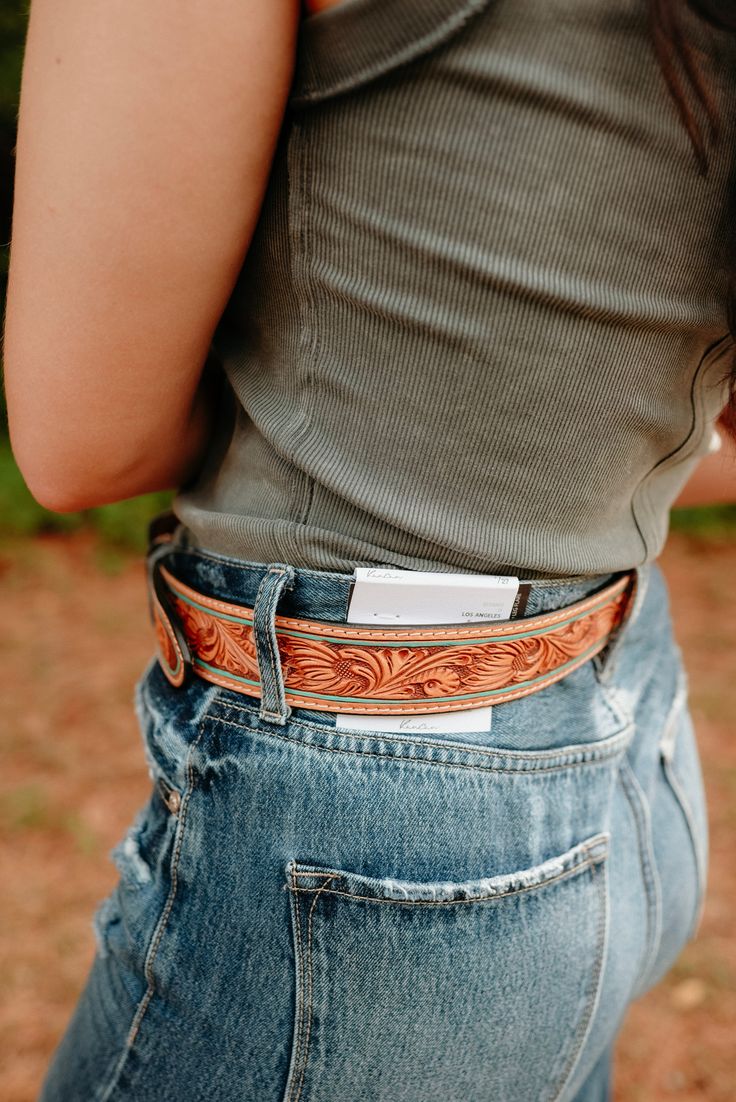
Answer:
(388, 596)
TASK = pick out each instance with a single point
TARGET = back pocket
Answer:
(476, 989)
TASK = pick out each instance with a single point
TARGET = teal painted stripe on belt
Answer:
(226, 673)
(413, 700)
(465, 642)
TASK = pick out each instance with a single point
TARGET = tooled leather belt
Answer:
(399, 670)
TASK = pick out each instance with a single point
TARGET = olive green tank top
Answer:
(481, 326)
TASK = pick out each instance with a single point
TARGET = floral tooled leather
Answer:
(400, 678)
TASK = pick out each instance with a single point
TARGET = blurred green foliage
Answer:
(711, 524)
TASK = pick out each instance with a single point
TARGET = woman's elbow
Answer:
(67, 475)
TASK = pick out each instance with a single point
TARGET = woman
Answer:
(459, 277)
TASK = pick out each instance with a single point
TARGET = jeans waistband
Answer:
(325, 595)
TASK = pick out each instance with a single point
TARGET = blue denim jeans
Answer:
(307, 913)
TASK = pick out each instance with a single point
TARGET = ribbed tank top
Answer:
(481, 326)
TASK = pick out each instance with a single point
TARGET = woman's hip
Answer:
(310, 911)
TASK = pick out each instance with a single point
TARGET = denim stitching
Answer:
(601, 759)
(162, 923)
(587, 1015)
(300, 973)
(593, 848)
(588, 862)
(288, 583)
(639, 807)
(583, 1026)
(687, 813)
(667, 747)
(268, 610)
(310, 993)
(380, 736)
(310, 875)
(275, 671)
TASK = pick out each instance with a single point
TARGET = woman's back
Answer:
(482, 323)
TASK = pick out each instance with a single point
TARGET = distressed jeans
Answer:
(308, 913)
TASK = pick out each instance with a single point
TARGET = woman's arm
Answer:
(146, 133)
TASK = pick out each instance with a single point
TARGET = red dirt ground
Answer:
(76, 637)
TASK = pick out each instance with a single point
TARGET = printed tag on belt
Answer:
(385, 596)
(434, 723)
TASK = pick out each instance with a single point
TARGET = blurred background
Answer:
(75, 638)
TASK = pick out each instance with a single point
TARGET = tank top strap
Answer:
(346, 46)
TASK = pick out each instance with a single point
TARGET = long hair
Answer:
(678, 61)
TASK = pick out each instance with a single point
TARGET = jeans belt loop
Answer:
(279, 576)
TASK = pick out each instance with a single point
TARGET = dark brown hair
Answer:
(679, 63)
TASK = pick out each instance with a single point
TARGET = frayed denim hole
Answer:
(147, 721)
(166, 747)
(127, 854)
